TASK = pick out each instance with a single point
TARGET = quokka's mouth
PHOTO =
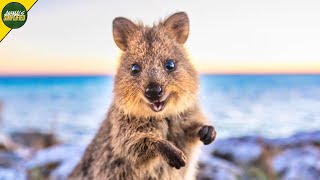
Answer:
(159, 105)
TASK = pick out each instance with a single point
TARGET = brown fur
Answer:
(134, 142)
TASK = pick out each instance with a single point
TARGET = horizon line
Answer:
(112, 74)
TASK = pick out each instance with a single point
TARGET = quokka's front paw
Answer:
(176, 159)
(174, 156)
(207, 134)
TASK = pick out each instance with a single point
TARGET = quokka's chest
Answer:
(166, 127)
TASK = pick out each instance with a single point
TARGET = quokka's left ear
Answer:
(177, 25)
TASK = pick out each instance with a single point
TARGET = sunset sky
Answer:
(226, 36)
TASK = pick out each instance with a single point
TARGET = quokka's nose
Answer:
(153, 92)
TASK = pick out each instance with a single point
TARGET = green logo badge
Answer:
(14, 15)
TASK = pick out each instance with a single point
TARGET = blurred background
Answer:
(260, 84)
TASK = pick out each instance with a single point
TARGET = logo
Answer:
(14, 15)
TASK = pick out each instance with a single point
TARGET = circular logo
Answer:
(14, 15)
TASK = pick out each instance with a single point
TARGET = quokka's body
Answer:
(154, 126)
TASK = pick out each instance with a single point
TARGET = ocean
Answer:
(237, 105)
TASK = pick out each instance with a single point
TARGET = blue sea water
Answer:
(74, 107)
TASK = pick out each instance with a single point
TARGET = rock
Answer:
(12, 166)
(57, 161)
(42, 172)
(213, 168)
(10, 160)
(3, 147)
(34, 139)
(6, 144)
(66, 167)
(301, 163)
(296, 140)
(242, 151)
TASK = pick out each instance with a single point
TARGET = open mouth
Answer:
(158, 106)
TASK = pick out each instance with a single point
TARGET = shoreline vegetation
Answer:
(37, 155)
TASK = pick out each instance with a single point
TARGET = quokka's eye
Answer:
(170, 66)
(135, 70)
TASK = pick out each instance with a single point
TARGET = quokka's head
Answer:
(155, 76)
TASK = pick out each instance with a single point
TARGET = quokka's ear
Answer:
(122, 29)
(178, 26)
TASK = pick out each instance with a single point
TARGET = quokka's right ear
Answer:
(122, 29)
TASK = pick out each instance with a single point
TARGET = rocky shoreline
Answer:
(294, 158)
(34, 155)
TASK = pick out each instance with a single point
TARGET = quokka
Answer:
(154, 126)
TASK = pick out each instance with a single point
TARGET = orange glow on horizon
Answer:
(259, 67)
(108, 67)
(61, 66)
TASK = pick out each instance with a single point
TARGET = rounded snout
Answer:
(153, 92)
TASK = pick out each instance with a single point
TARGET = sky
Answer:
(226, 36)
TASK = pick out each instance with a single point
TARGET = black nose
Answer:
(153, 92)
